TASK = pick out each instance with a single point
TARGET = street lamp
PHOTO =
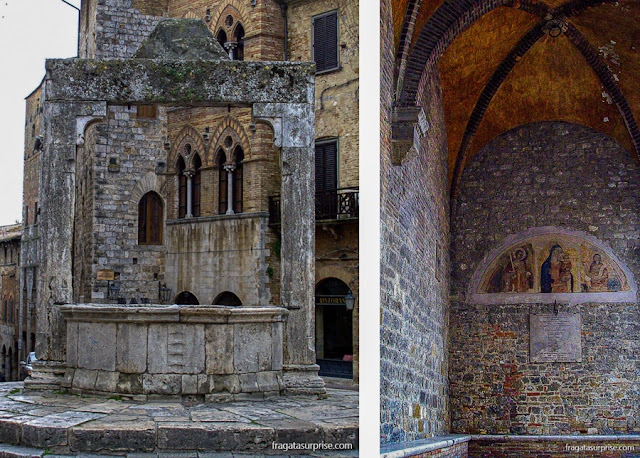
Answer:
(349, 300)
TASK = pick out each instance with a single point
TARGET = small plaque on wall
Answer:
(555, 337)
(105, 275)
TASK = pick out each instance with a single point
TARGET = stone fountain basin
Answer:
(218, 352)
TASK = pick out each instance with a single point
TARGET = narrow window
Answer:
(237, 181)
(326, 179)
(26, 215)
(222, 184)
(238, 34)
(35, 213)
(182, 189)
(150, 219)
(195, 186)
(325, 41)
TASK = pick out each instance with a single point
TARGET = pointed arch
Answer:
(231, 126)
(241, 14)
(189, 135)
(148, 183)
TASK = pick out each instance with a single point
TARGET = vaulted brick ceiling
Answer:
(524, 75)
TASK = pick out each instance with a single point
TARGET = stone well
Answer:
(217, 352)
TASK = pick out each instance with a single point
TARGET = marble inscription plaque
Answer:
(555, 337)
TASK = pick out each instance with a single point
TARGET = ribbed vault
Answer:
(504, 63)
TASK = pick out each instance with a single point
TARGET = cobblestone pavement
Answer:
(33, 423)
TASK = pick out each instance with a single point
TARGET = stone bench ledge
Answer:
(403, 449)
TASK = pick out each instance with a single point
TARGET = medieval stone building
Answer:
(182, 202)
(11, 328)
(510, 238)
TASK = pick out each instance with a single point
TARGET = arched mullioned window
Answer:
(196, 194)
(222, 183)
(150, 210)
(182, 188)
(237, 180)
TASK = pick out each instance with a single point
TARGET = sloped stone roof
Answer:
(10, 232)
(181, 39)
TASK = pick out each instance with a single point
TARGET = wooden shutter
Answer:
(331, 53)
(142, 220)
(325, 41)
(326, 166)
(319, 41)
(237, 182)
(154, 219)
(222, 185)
(195, 185)
(182, 189)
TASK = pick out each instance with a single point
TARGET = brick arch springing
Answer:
(232, 124)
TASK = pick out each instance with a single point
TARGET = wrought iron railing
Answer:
(336, 204)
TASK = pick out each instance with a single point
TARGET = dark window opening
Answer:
(237, 181)
(325, 41)
(222, 184)
(238, 35)
(195, 186)
(182, 189)
(227, 298)
(150, 211)
(222, 38)
(186, 298)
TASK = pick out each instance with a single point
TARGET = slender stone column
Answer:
(189, 174)
(230, 168)
(294, 132)
(230, 46)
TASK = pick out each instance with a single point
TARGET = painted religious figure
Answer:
(555, 274)
(600, 277)
(514, 274)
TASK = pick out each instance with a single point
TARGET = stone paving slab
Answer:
(52, 423)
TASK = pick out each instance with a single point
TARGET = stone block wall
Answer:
(127, 150)
(570, 177)
(414, 269)
(210, 255)
(116, 28)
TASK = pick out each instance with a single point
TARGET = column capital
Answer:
(230, 167)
